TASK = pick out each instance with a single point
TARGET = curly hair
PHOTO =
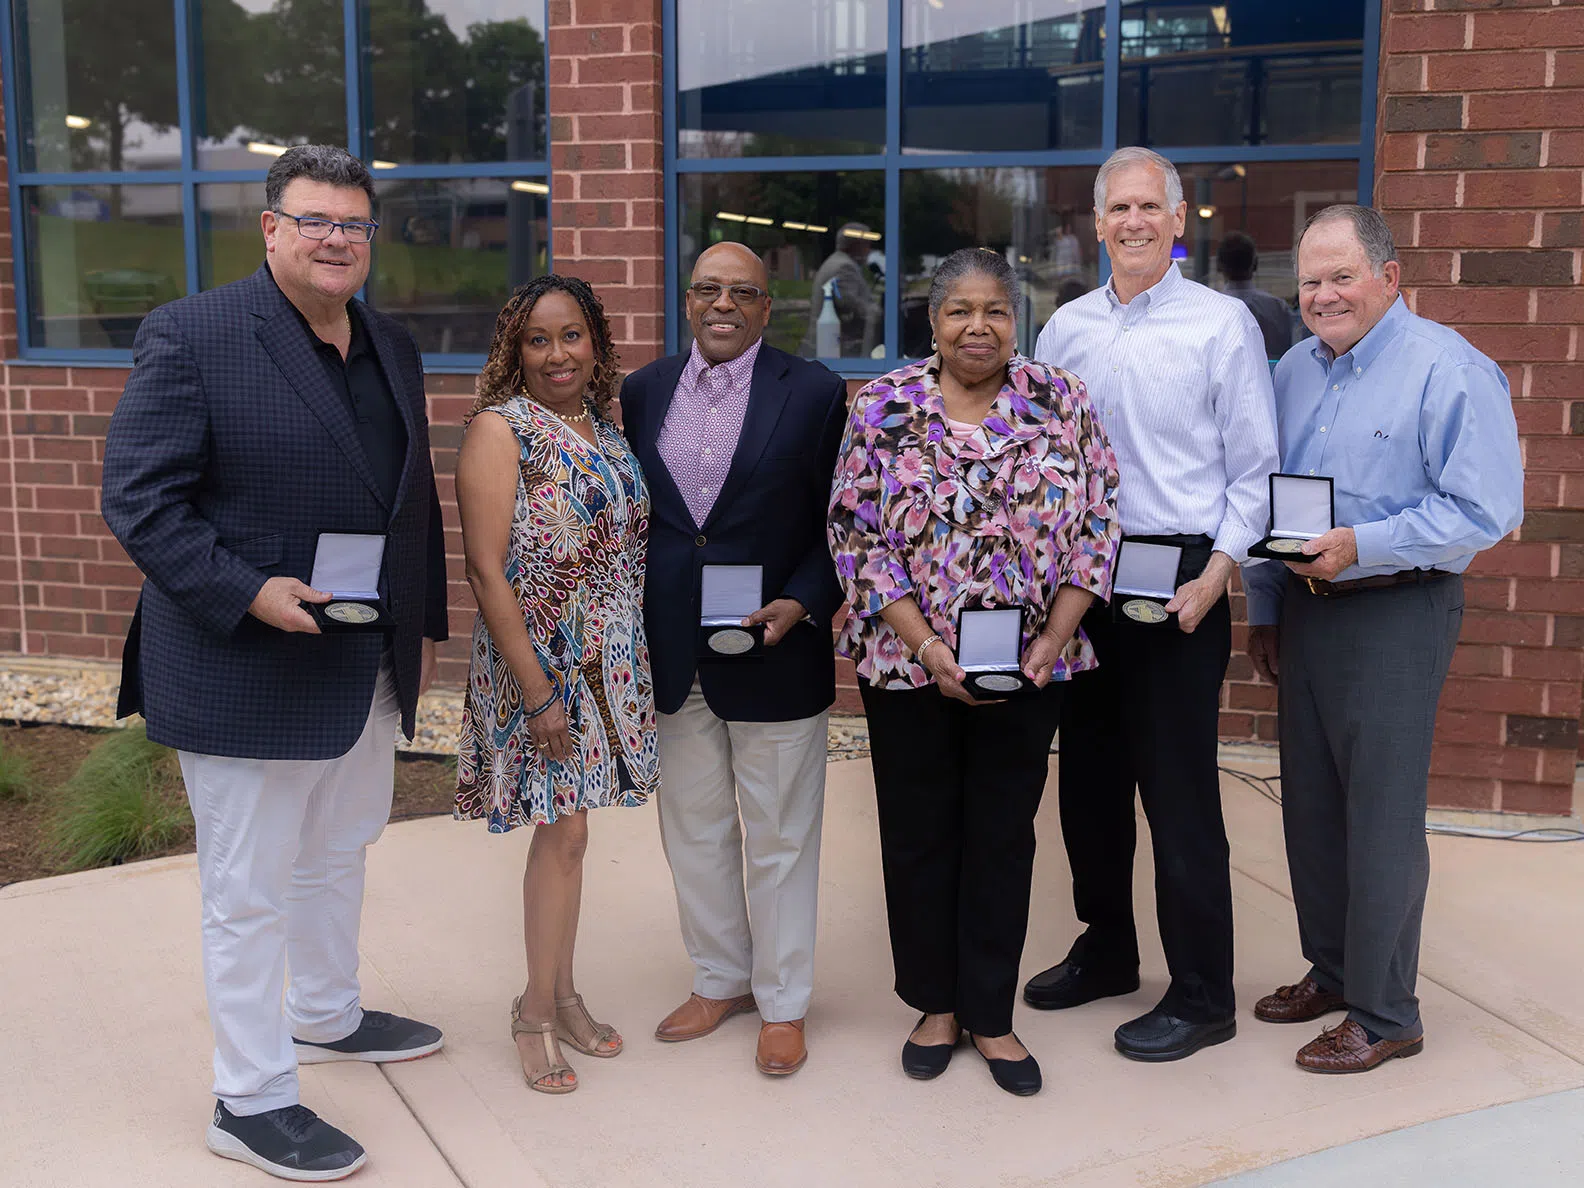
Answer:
(502, 376)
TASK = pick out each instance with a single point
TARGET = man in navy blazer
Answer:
(257, 416)
(738, 441)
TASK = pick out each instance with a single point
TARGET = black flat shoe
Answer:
(925, 1062)
(1020, 1077)
(1071, 983)
(1158, 1037)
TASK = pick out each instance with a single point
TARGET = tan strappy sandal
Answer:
(552, 1054)
(604, 1033)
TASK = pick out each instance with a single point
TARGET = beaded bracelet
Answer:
(924, 647)
(549, 701)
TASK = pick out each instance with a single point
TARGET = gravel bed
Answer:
(84, 694)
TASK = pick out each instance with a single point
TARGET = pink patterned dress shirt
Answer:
(1003, 516)
(703, 424)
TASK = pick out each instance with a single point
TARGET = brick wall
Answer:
(1481, 173)
(1483, 183)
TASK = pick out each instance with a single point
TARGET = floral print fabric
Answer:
(1001, 517)
(579, 533)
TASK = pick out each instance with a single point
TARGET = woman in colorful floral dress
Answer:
(559, 715)
(974, 479)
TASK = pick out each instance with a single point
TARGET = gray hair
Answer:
(1135, 155)
(973, 262)
(1373, 233)
(317, 162)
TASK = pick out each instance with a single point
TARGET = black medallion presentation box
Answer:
(1303, 506)
(729, 594)
(1146, 580)
(347, 567)
(990, 651)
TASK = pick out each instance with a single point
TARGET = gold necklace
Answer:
(567, 418)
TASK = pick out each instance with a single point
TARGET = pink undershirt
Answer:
(961, 430)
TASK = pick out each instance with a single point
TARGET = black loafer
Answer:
(1070, 983)
(1020, 1077)
(1158, 1037)
(925, 1062)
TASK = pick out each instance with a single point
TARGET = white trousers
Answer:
(280, 869)
(750, 930)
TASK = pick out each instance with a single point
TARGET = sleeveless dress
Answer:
(576, 563)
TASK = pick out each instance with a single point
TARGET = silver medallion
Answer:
(1285, 545)
(997, 682)
(731, 642)
(354, 613)
(1142, 610)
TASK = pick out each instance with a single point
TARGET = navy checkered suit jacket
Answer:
(228, 453)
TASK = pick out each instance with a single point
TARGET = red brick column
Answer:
(1481, 173)
(607, 161)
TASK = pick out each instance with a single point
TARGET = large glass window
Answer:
(819, 234)
(455, 80)
(764, 78)
(1041, 220)
(1241, 72)
(1002, 75)
(99, 258)
(935, 125)
(119, 205)
(450, 252)
(96, 84)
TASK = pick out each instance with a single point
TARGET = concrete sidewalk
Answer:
(105, 1041)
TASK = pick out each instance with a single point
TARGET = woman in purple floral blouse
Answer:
(977, 478)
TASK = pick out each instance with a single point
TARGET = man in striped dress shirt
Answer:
(1177, 372)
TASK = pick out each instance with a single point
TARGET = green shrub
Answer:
(124, 802)
(16, 781)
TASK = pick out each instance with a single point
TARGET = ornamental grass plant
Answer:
(126, 801)
(16, 778)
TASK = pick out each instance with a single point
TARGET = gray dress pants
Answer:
(1360, 677)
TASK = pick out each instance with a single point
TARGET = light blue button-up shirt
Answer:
(1416, 428)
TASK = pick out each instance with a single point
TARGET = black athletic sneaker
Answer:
(380, 1039)
(293, 1143)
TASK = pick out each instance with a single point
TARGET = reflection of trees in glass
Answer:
(116, 74)
(279, 76)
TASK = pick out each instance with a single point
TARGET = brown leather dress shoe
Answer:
(781, 1048)
(699, 1016)
(1299, 1003)
(1346, 1048)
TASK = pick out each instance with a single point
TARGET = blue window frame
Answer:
(1276, 78)
(479, 177)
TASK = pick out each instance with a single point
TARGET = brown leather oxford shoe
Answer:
(1298, 1003)
(699, 1016)
(1346, 1048)
(782, 1050)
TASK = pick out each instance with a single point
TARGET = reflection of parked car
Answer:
(120, 297)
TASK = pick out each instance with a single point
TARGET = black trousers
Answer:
(1147, 718)
(957, 788)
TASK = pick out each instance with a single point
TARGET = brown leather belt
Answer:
(1407, 577)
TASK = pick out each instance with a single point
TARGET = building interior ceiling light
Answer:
(78, 122)
(761, 221)
(528, 187)
(378, 164)
(268, 150)
(729, 217)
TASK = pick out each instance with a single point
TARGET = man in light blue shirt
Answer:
(1416, 429)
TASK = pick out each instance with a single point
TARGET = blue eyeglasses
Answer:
(310, 227)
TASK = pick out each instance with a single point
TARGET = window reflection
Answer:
(1041, 220)
(814, 230)
(1241, 72)
(230, 243)
(449, 252)
(1268, 201)
(771, 78)
(1002, 75)
(271, 74)
(98, 259)
(455, 80)
(96, 84)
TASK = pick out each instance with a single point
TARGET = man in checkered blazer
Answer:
(258, 416)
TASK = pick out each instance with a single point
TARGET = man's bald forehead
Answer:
(731, 264)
